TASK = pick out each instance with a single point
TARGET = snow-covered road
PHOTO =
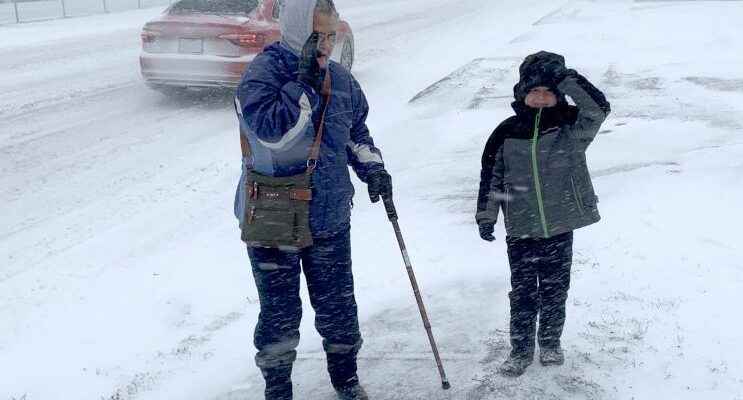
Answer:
(121, 271)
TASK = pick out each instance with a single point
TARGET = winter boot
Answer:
(278, 383)
(516, 364)
(351, 392)
(551, 356)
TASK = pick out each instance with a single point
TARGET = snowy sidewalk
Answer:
(124, 277)
(654, 285)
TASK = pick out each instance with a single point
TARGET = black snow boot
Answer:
(351, 392)
(516, 364)
(278, 383)
(342, 370)
(551, 356)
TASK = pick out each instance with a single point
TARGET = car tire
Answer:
(347, 53)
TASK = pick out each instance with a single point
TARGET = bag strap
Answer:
(326, 92)
(244, 145)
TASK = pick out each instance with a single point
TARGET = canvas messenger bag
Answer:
(277, 209)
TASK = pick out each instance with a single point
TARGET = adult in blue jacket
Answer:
(279, 105)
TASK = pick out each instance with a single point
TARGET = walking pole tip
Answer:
(445, 385)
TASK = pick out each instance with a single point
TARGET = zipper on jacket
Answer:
(578, 199)
(535, 172)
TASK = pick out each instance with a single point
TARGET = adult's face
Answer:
(326, 25)
(541, 97)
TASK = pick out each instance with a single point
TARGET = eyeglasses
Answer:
(323, 37)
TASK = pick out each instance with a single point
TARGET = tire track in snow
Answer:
(190, 348)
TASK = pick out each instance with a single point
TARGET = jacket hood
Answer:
(539, 69)
(296, 19)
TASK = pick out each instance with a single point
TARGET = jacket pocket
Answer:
(263, 225)
(509, 220)
(506, 202)
(577, 196)
(586, 191)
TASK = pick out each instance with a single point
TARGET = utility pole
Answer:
(15, 7)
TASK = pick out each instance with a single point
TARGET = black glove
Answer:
(486, 231)
(549, 73)
(564, 74)
(309, 69)
(379, 183)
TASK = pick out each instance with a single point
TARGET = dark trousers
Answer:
(327, 270)
(540, 279)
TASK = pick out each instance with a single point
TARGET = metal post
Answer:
(105, 7)
(64, 9)
(15, 7)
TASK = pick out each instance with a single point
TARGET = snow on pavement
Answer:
(123, 276)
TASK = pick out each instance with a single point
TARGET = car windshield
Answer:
(239, 7)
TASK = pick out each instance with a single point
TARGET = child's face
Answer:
(541, 97)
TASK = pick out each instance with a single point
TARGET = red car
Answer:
(208, 43)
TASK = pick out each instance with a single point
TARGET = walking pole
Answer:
(389, 205)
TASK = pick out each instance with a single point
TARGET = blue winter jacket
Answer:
(279, 116)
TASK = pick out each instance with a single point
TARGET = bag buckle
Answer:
(251, 215)
(254, 191)
(300, 194)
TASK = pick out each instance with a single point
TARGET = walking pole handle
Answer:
(389, 205)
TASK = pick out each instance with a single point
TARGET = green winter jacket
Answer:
(534, 165)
